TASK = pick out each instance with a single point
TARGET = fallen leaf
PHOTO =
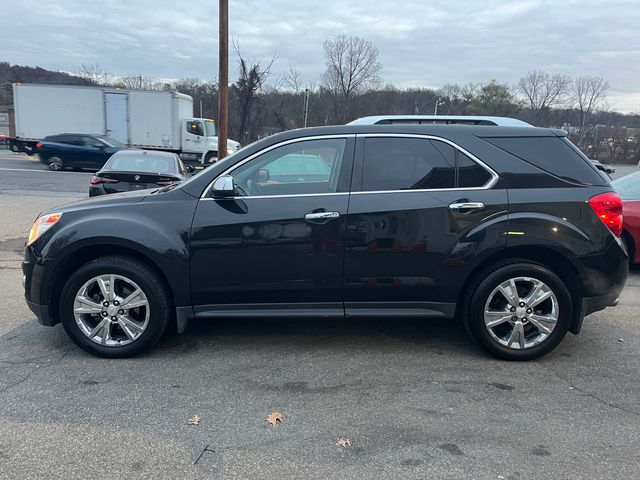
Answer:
(195, 420)
(344, 442)
(621, 340)
(274, 417)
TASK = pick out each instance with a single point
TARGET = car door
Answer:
(415, 203)
(94, 153)
(193, 135)
(277, 246)
(70, 149)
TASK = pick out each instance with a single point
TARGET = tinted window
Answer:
(300, 168)
(407, 164)
(67, 139)
(471, 174)
(553, 155)
(128, 162)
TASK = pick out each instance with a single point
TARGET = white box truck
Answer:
(148, 119)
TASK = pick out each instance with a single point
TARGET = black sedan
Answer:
(129, 170)
(76, 151)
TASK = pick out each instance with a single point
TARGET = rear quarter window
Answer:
(552, 154)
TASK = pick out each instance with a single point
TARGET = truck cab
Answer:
(200, 139)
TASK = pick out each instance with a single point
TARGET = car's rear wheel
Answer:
(520, 311)
(55, 164)
(115, 306)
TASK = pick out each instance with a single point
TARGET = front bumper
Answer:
(35, 284)
(42, 313)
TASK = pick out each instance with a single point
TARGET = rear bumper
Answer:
(603, 278)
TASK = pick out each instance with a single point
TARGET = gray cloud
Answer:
(421, 43)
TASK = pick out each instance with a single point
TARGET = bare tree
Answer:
(247, 88)
(293, 80)
(142, 82)
(93, 73)
(589, 93)
(544, 91)
(352, 68)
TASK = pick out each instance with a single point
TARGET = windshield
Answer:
(210, 128)
(628, 187)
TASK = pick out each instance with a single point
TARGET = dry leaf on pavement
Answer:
(195, 420)
(344, 442)
(274, 417)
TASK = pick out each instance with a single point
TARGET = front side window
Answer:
(195, 128)
(307, 167)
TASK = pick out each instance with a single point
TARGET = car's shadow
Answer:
(433, 334)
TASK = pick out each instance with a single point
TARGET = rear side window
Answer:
(551, 154)
(407, 164)
(417, 164)
(470, 174)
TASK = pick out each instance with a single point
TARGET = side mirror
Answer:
(223, 187)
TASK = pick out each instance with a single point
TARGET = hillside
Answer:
(25, 74)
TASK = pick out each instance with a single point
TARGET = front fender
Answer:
(156, 229)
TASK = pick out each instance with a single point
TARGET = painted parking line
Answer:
(40, 171)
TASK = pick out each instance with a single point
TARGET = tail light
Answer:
(608, 207)
(98, 180)
(38, 145)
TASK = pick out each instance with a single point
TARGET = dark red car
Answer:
(628, 187)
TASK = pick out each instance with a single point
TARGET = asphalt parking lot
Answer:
(417, 399)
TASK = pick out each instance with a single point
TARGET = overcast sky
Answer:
(421, 42)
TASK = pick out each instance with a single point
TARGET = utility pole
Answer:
(223, 78)
(306, 106)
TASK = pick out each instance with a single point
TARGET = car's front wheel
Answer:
(115, 306)
(520, 311)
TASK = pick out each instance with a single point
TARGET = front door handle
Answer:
(462, 206)
(321, 217)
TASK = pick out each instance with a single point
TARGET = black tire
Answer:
(209, 156)
(55, 164)
(484, 285)
(149, 281)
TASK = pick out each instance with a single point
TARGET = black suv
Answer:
(510, 229)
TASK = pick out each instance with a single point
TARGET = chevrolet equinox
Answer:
(510, 229)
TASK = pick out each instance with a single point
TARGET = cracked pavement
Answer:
(418, 399)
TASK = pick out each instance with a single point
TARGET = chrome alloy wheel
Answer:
(521, 312)
(111, 310)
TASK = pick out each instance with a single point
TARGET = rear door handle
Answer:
(466, 206)
(321, 217)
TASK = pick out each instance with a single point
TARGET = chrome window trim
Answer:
(268, 149)
(494, 176)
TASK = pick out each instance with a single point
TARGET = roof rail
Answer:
(440, 119)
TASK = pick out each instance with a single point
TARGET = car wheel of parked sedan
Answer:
(115, 307)
(55, 164)
(520, 311)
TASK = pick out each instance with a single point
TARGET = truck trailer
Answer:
(149, 119)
